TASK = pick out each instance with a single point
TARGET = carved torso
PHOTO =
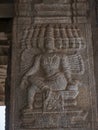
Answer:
(50, 64)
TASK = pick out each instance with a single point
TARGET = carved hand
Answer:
(73, 85)
(74, 82)
(70, 80)
(46, 90)
(23, 83)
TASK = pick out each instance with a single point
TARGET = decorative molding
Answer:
(69, 11)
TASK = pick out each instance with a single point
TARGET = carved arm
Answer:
(31, 71)
(35, 67)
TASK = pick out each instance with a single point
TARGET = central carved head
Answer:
(49, 44)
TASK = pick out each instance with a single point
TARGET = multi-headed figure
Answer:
(49, 73)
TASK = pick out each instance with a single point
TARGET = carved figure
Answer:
(56, 74)
(50, 73)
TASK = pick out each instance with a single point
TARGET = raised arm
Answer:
(31, 71)
(34, 68)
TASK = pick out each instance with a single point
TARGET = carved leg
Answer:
(47, 100)
(31, 93)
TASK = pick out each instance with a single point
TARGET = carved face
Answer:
(49, 44)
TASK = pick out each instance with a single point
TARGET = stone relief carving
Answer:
(54, 78)
(53, 65)
(50, 82)
(54, 11)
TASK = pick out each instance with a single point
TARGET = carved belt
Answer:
(54, 76)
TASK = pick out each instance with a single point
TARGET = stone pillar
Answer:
(52, 78)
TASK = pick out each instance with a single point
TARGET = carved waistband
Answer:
(54, 76)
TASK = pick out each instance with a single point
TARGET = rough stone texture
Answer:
(94, 18)
(52, 84)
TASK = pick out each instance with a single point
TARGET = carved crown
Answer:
(62, 36)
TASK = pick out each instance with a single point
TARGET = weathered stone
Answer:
(53, 79)
(66, 10)
(54, 10)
